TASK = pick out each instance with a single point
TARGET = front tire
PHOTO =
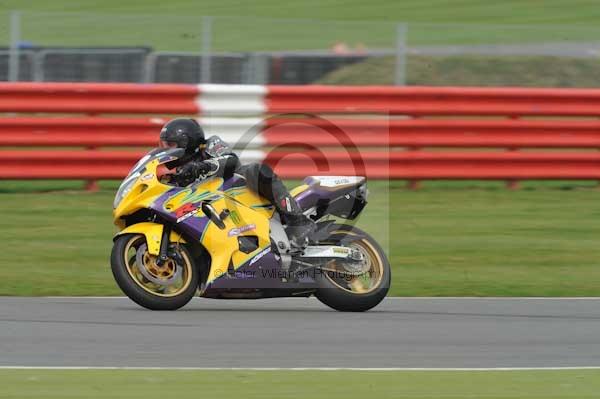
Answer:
(166, 287)
(356, 293)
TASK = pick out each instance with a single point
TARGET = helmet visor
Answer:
(167, 144)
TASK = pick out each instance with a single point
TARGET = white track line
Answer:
(315, 368)
(301, 368)
(398, 298)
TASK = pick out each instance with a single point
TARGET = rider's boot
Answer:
(298, 226)
(298, 229)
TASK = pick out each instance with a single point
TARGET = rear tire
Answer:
(334, 294)
(132, 283)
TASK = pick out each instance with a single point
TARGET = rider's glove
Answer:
(193, 170)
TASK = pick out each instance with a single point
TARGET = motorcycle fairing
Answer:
(343, 196)
(248, 216)
(153, 233)
(182, 207)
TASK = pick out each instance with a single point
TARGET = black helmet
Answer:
(182, 133)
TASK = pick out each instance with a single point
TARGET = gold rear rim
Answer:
(177, 278)
(366, 282)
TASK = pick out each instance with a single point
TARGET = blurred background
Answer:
(487, 188)
(140, 47)
(469, 237)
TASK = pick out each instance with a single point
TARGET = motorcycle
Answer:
(218, 239)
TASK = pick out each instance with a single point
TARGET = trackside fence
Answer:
(97, 131)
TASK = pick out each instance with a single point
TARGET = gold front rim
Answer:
(369, 280)
(164, 272)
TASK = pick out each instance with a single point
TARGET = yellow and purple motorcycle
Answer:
(218, 239)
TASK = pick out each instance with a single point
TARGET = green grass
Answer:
(241, 26)
(437, 11)
(448, 239)
(41, 384)
(523, 71)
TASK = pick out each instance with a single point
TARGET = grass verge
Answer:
(443, 240)
(148, 384)
(518, 71)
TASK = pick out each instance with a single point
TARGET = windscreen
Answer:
(162, 154)
(165, 154)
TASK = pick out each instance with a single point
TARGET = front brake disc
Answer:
(171, 280)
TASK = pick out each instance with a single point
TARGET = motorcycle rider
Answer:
(205, 157)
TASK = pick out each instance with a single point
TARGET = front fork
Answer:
(157, 240)
(164, 245)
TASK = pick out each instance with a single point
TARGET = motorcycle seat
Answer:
(324, 189)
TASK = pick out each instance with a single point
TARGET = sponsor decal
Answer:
(235, 217)
(344, 251)
(239, 230)
(188, 197)
(243, 274)
(333, 181)
(259, 256)
(147, 177)
(186, 211)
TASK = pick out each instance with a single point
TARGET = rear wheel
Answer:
(158, 287)
(355, 287)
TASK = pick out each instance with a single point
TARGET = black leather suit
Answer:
(217, 158)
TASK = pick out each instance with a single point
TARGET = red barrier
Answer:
(417, 133)
(80, 132)
(98, 98)
(377, 165)
(66, 164)
(432, 165)
(433, 100)
(320, 132)
(320, 135)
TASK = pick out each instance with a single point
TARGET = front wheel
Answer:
(359, 291)
(157, 287)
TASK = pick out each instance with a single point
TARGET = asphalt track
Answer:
(401, 332)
